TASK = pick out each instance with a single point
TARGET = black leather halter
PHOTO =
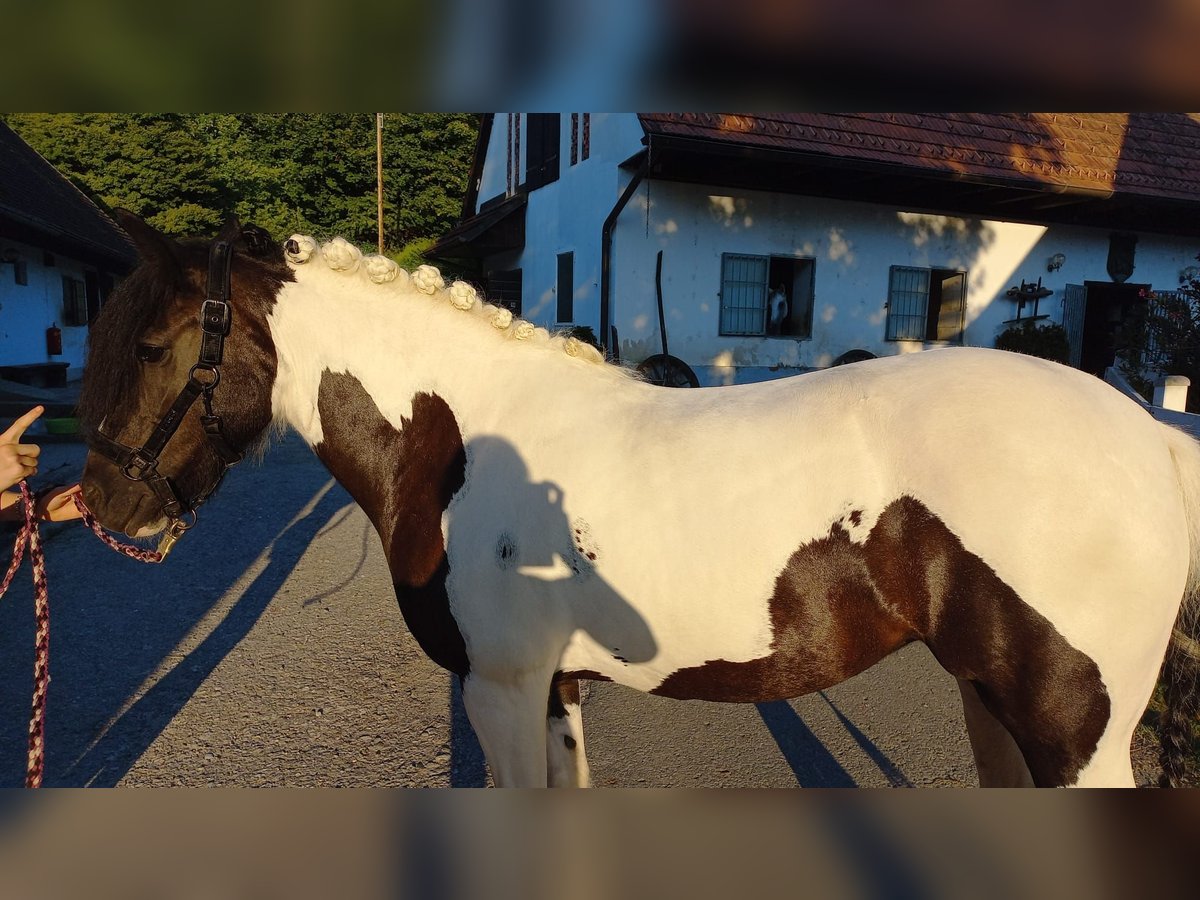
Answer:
(141, 463)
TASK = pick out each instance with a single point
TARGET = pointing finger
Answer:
(17, 428)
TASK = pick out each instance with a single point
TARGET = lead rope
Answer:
(30, 536)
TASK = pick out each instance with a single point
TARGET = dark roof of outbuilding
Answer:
(1104, 154)
(35, 197)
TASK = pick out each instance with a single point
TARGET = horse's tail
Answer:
(1181, 669)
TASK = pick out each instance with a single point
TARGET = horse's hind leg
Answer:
(565, 760)
(998, 759)
(509, 718)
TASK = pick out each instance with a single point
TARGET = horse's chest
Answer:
(404, 479)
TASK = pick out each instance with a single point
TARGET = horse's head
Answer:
(142, 356)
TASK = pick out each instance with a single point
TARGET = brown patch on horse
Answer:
(404, 480)
(840, 607)
(564, 692)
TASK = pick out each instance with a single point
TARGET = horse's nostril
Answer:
(292, 246)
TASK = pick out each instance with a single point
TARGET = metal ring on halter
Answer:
(181, 525)
(205, 367)
(139, 466)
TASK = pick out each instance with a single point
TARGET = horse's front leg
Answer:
(565, 759)
(509, 717)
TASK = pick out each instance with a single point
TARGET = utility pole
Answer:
(379, 172)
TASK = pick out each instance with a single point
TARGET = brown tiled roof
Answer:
(36, 196)
(1146, 154)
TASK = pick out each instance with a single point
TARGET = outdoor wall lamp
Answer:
(1191, 273)
(1055, 262)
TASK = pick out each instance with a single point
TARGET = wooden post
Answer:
(379, 172)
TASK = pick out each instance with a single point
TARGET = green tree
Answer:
(309, 173)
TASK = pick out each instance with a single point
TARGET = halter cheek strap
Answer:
(141, 463)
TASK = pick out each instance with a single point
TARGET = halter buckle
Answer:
(140, 465)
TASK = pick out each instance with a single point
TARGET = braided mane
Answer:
(339, 255)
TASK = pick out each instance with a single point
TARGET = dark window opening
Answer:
(587, 136)
(541, 152)
(574, 138)
(75, 305)
(766, 296)
(91, 282)
(925, 304)
(20, 272)
(48, 259)
(566, 287)
(504, 289)
(790, 297)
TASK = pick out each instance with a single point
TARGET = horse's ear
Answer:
(230, 231)
(255, 241)
(153, 246)
(259, 244)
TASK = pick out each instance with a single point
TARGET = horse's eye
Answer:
(150, 353)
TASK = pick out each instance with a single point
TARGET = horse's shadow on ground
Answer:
(114, 622)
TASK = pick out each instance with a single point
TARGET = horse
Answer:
(548, 517)
(777, 310)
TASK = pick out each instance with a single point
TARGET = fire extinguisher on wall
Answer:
(54, 340)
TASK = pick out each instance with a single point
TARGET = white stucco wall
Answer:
(854, 245)
(565, 215)
(26, 311)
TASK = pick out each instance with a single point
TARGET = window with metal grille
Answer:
(925, 304)
(74, 310)
(504, 289)
(766, 295)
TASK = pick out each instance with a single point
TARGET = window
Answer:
(766, 295)
(504, 289)
(21, 272)
(566, 287)
(74, 311)
(541, 152)
(576, 155)
(925, 304)
(91, 281)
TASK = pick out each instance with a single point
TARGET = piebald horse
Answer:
(548, 517)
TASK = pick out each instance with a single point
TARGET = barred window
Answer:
(504, 289)
(75, 308)
(925, 304)
(766, 295)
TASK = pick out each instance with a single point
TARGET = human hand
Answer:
(18, 460)
(58, 504)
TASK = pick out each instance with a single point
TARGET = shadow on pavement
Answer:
(114, 621)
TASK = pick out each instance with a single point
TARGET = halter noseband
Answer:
(141, 463)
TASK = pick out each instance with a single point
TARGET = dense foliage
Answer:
(308, 173)
(1162, 336)
(1045, 341)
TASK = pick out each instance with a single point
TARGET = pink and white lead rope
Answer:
(30, 536)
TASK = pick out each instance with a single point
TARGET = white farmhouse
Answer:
(59, 258)
(794, 241)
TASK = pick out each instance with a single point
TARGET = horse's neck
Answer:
(391, 343)
(398, 348)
